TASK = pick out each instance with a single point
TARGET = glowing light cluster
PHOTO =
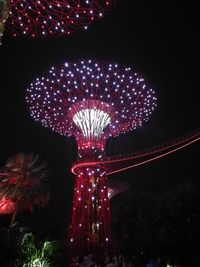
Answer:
(69, 89)
(40, 18)
(91, 121)
(7, 206)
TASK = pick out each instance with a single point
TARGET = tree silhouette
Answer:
(163, 224)
(23, 181)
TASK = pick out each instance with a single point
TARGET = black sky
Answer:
(159, 41)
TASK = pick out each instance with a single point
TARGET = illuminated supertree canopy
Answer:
(40, 18)
(91, 101)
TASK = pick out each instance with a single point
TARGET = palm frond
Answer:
(24, 181)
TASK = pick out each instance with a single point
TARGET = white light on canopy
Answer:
(91, 122)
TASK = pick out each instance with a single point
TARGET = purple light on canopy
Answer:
(71, 90)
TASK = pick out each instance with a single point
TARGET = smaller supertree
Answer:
(23, 184)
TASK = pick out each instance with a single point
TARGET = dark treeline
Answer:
(160, 225)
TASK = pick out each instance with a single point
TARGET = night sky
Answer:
(158, 42)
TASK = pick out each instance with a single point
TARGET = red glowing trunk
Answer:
(90, 225)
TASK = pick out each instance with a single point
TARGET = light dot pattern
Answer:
(45, 17)
(123, 91)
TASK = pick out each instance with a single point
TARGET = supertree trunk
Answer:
(90, 224)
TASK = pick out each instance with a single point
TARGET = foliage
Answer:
(33, 257)
(47, 249)
(20, 250)
(38, 263)
(28, 246)
(24, 181)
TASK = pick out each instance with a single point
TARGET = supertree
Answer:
(40, 18)
(91, 101)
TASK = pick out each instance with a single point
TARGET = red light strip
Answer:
(79, 165)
